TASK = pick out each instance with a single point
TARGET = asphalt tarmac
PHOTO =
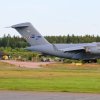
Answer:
(14, 95)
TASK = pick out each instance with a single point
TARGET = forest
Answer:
(19, 42)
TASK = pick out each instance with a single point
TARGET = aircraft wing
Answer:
(70, 49)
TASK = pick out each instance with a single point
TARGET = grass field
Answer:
(53, 77)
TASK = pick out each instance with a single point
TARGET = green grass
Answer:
(64, 78)
(82, 84)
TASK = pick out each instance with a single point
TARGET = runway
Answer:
(14, 95)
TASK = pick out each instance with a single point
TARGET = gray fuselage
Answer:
(50, 50)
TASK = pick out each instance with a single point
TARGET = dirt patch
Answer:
(26, 64)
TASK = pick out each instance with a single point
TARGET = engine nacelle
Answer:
(93, 49)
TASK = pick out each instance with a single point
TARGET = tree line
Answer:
(13, 42)
(19, 42)
(73, 39)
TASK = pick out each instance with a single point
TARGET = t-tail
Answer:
(28, 32)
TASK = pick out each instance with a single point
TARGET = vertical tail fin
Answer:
(32, 36)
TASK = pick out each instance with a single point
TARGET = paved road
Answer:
(12, 95)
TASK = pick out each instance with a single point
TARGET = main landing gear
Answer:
(90, 61)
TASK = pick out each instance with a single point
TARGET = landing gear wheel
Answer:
(94, 61)
(90, 61)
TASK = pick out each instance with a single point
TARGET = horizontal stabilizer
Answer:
(21, 25)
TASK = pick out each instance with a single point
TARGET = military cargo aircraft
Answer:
(87, 52)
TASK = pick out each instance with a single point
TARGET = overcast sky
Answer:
(52, 17)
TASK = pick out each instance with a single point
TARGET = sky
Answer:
(52, 17)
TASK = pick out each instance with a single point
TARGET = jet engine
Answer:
(93, 49)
